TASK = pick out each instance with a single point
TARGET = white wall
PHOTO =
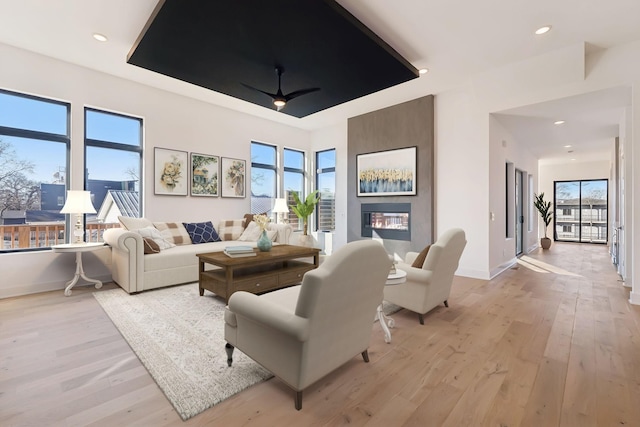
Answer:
(462, 175)
(170, 121)
(504, 148)
(571, 171)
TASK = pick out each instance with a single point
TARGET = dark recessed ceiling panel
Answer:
(228, 45)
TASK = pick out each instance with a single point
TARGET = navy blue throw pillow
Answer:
(201, 232)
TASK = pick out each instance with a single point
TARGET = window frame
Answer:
(43, 136)
(303, 174)
(319, 172)
(265, 166)
(97, 143)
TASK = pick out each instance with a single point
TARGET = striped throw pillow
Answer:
(230, 229)
(173, 232)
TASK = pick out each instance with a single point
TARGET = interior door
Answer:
(519, 220)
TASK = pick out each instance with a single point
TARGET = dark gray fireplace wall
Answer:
(404, 125)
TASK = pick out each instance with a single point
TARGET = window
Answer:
(113, 165)
(582, 205)
(326, 186)
(34, 155)
(263, 177)
(294, 182)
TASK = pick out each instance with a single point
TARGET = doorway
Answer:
(581, 211)
(519, 211)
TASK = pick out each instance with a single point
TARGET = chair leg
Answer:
(421, 318)
(229, 349)
(446, 303)
(365, 356)
(298, 400)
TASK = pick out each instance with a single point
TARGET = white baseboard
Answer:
(634, 298)
(503, 267)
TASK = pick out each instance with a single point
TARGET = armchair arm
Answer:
(410, 257)
(416, 274)
(262, 311)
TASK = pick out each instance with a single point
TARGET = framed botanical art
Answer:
(171, 172)
(387, 173)
(204, 175)
(233, 177)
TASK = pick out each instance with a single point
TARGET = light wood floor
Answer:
(550, 342)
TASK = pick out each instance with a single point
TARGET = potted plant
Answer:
(304, 208)
(544, 208)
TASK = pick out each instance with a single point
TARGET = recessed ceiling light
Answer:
(559, 122)
(567, 146)
(100, 37)
(543, 30)
(423, 70)
(572, 159)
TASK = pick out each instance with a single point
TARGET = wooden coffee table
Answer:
(278, 268)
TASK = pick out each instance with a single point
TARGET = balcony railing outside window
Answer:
(26, 236)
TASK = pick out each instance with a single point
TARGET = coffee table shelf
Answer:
(267, 271)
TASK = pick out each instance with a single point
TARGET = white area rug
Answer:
(179, 337)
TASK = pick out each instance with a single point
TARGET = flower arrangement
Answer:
(262, 220)
(235, 177)
(171, 173)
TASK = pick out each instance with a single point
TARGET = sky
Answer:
(50, 157)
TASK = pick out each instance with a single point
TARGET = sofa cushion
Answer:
(230, 229)
(201, 232)
(174, 232)
(131, 224)
(152, 233)
(184, 255)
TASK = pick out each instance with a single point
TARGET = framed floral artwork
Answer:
(204, 175)
(233, 177)
(171, 172)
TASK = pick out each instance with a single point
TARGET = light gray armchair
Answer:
(430, 285)
(303, 333)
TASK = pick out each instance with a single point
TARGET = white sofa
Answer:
(134, 271)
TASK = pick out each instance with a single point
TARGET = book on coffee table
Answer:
(238, 249)
(238, 254)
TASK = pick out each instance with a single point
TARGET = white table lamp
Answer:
(79, 203)
(280, 207)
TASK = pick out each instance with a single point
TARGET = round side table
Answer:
(78, 249)
(395, 278)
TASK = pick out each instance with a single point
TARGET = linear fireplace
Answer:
(386, 220)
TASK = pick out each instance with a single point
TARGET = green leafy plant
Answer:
(305, 208)
(544, 208)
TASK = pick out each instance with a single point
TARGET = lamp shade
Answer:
(78, 202)
(280, 206)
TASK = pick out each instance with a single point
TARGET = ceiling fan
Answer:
(279, 98)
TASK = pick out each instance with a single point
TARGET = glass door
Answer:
(581, 211)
